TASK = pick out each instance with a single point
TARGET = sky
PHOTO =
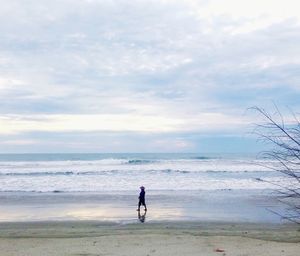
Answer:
(144, 76)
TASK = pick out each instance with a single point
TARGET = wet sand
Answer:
(87, 238)
(177, 223)
(226, 206)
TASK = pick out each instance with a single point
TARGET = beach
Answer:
(164, 238)
(177, 223)
(86, 205)
(247, 206)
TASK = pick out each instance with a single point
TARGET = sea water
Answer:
(105, 187)
(127, 172)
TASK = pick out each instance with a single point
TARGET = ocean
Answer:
(105, 187)
(125, 172)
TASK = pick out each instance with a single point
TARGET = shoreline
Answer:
(206, 206)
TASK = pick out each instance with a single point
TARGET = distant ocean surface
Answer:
(127, 172)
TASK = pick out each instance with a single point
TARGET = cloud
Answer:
(86, 142)
(118, 123)
(247, 16)
(145, 66)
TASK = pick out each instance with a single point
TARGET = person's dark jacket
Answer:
(142, 196)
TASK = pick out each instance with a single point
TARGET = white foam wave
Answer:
(129, 174)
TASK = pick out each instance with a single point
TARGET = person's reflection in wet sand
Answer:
(142, 217)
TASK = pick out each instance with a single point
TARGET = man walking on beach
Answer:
(142, 199)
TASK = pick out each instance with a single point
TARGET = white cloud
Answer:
(9, 83)
(119, 122)
(144, 66)
(19, 142)
(61, 123)
(248, 16)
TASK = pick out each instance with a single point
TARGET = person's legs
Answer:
(144, 204)
(139, 205)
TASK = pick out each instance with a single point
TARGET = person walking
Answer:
(142, 199)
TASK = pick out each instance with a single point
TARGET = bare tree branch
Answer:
(285, 140)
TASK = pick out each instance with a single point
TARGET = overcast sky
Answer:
(144, 76)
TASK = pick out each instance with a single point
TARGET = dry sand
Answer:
(184, 239)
